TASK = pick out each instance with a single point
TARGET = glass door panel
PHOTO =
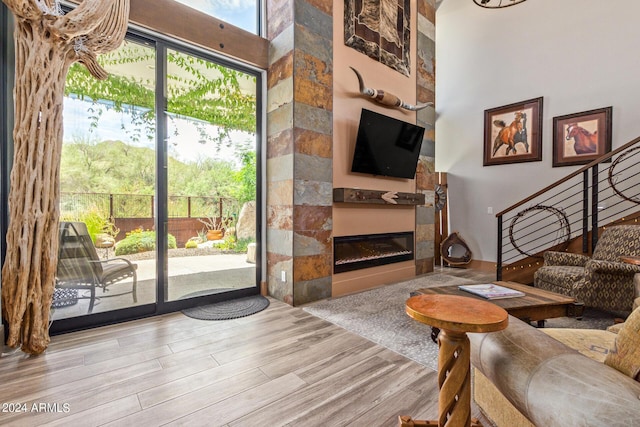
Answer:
(107, 183)
(211, 168)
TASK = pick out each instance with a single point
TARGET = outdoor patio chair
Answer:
(79, 266)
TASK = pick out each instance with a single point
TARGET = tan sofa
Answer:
(526, 377)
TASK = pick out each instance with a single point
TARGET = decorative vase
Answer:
(214, 234)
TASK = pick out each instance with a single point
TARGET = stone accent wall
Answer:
(425, 92)
(300, 145)
(299, 150)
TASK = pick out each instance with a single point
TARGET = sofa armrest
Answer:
(551, 384)
(611, 267)
(565, 258)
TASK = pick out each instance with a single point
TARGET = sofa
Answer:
(524, 376)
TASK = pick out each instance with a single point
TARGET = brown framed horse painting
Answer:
(513, 133)
(580, 138)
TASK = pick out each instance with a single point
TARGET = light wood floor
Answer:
(278, 367)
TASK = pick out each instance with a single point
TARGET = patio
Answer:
(188, 276)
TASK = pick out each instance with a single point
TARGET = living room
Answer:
(475, 72)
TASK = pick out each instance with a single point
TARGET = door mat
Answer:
(226, 310)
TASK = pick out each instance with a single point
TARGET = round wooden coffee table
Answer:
(454, 316)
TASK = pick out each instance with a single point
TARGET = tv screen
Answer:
(386, 146)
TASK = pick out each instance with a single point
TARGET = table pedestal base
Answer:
(455, 316)
(454, 382)
(454, 378)
(407, 421)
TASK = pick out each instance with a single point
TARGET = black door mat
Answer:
(226, 310)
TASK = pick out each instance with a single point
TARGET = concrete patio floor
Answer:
(187, 276)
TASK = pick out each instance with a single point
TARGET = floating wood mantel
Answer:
(377, 197)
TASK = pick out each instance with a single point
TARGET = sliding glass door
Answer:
(159, 211)
(108, 184)
(211, 168)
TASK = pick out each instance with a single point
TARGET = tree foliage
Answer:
(196, 88)
(107, 167)
(203, 92)
(119, 168)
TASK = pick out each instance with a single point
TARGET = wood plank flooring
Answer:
(281, 366)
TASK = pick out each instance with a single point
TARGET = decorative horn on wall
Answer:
(386, 98)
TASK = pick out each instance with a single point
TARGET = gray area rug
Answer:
(225, 310)
(379, 315)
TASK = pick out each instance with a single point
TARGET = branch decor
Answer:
(613, 179)
(47, 42)
(563, 234)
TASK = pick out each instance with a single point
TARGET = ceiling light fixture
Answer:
(496, 4)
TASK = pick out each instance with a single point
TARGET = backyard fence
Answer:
(143, 206)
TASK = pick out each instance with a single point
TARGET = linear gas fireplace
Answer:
(356, 252)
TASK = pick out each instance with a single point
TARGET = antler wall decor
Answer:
(47, 42)
(386, 98)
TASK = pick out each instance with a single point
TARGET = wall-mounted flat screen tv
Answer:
(386, 146)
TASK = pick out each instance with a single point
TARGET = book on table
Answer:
(491, 291)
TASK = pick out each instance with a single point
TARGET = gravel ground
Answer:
(173, 253)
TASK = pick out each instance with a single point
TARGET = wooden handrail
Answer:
(600, 159)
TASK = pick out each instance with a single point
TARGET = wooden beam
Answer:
(377, 197)
(184, 23)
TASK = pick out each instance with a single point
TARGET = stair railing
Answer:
(568, 214)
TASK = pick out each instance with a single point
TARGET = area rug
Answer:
(379, 315)
(226, 310)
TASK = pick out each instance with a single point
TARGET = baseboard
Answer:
(484, 266)
(264, 290)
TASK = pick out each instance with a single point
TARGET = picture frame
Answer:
(513, 133)
(369, 31)
(580, 138)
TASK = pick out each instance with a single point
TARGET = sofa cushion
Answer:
(615, 328)
(625, 353)
(617, 241)
(593, 343)
(569, 274)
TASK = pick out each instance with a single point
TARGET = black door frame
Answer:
(161, 215)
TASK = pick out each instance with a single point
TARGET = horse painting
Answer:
(584, 142)
(510, 135)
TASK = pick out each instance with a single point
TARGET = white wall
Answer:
(577, 54)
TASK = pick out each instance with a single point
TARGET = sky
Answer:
(185, 146)
(241, 13)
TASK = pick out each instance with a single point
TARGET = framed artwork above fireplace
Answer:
(381, 30)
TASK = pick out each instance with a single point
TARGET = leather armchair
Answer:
(602, 281)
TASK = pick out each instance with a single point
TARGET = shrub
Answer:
(141, 241)
(242, 244)
(232, 244)
(96, 222)
(191, 244)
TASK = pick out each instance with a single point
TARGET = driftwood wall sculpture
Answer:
(47, 42)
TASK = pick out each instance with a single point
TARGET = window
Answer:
(241, 13)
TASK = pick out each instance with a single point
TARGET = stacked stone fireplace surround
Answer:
(299, 181)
